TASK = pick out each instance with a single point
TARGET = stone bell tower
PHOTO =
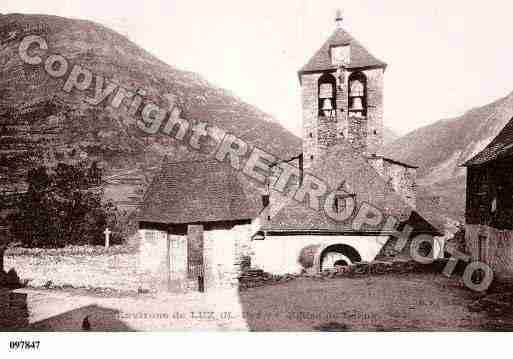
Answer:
(342, 96)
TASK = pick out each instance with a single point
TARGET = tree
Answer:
(94, 175)
(61, 208)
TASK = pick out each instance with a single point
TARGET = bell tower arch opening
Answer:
(358, 94)
(357, 118)
(327, 92)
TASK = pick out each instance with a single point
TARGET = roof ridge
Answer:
(476, 157)
(192, 160)
(391, 200)
(360, 56)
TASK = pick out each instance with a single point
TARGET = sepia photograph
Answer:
(239, 166)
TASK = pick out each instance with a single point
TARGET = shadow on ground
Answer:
(15, 314)
(13, 306)
(88, 318)
(13, 310)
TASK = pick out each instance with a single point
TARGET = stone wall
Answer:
(402, 179)
(357, 132)
(223, 255)
(497, 248)
(152, 266)
(309, 100)
(163, 264)
(374, 123)
(365, 133)
(113, 271)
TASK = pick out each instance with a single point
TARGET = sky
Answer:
(444, 57)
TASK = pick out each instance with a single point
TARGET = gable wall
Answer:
(403, 180)
(374, 142)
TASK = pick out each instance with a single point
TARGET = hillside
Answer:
(440, 149)
(41, 123)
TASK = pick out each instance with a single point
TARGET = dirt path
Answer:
(53, 310)
(393, 302)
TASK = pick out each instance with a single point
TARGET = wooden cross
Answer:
(107, 233)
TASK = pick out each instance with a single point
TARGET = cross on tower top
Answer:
(339, 19)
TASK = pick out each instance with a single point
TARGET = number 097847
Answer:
(24, 345)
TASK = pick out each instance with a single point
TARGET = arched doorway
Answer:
(338, 255)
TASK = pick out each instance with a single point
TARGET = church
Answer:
(342, 97)
(199, 226)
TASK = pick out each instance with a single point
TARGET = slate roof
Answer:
(201, 190)
(344, 167)
(500, 147)
(205, 190)
(360, 56)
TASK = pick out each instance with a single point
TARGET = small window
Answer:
(341, 201)
(311, 135)
(150, 236)
(341, 55)
(340, 204)
(311, 157)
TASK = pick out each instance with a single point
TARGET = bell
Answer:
(357, 104)
(326, 90)
(356, 88)
(326, 107)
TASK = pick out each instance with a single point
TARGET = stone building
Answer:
(342, 105)
(342, 97)
(290, 229)
(198, 220)
(194, 222)
(489, 204)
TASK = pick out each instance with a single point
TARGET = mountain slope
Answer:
(40, 122)
(441, 148)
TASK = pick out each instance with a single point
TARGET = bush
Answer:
(307, 256)
(64, 206)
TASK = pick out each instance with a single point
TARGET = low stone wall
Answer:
(112, 271)
(257, 278)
